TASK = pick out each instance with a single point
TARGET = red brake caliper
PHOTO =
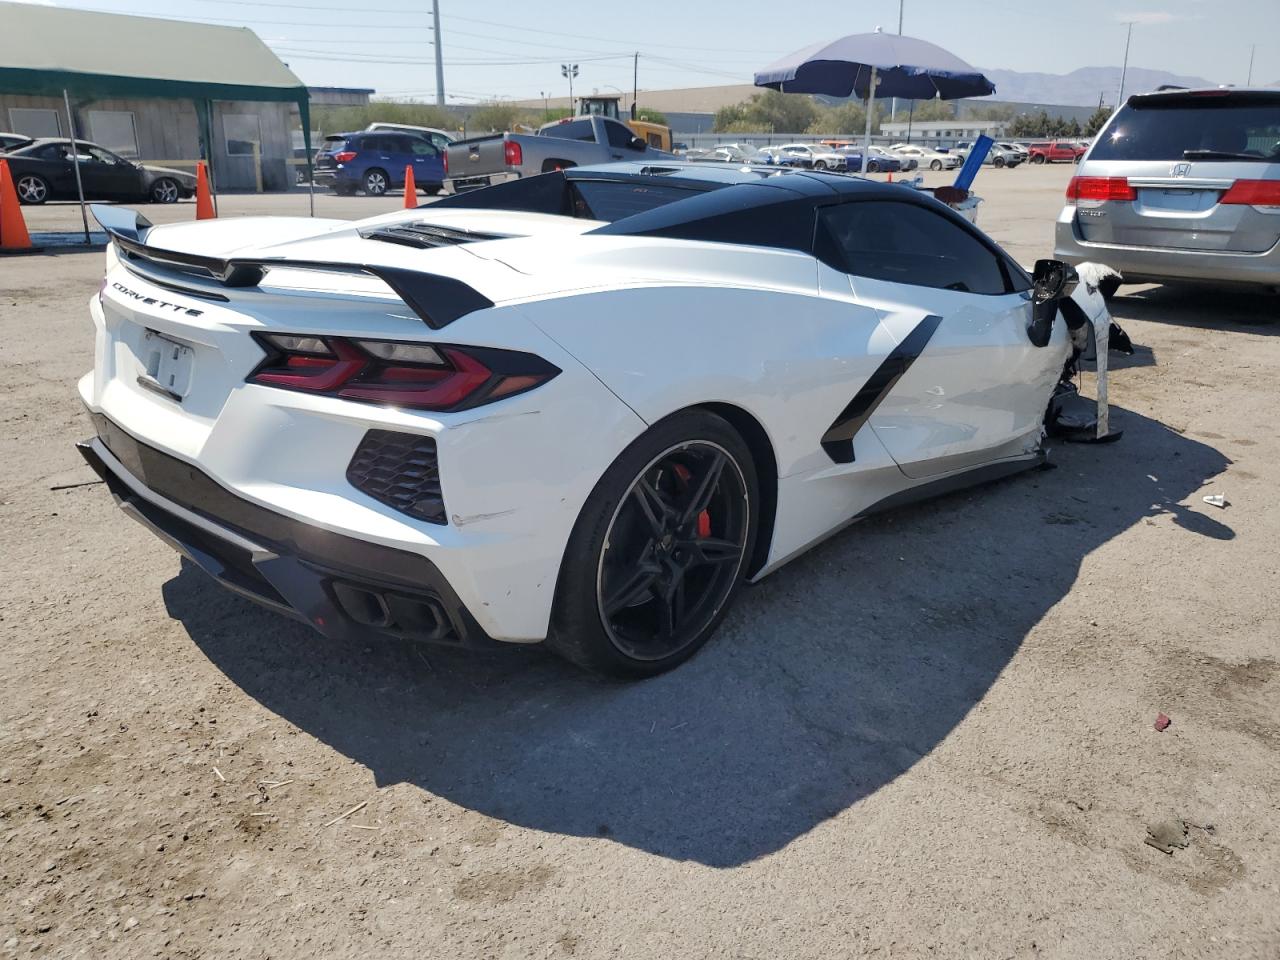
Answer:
(704, 518)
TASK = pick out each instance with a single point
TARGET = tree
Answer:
(769, 111)
(730, 118)
(1095, 123)
(344, 119)
(990, 111)
(498, 115)
(554, 114)
(1030, 125)
(932, 110)
(648, 115)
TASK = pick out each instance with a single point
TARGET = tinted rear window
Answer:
(613, 200)
(334, 144)
(573, 130)
(1165, 130)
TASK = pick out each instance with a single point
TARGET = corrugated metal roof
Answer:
(56, 39)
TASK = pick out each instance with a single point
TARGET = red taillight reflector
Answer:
(412, 375)
(445, 157)
(346, 156)
(1255, 193)
(1100, 188)
(512, 154)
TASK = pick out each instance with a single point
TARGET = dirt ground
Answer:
(930, 737)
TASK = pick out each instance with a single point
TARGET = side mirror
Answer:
(638, 144)
(1051, 281)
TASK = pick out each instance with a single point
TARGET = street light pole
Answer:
(435, 19)
(1252, 50)
(569, 70)
(1125, 68)
(893, 105)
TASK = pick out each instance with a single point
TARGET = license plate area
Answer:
(166, 365)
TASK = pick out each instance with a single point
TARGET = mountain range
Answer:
(1082, 87)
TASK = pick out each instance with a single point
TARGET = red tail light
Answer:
(445, 157)
(416, 375)
(346, 156)
(1100, 188)
(1255, 193)
(512, 154)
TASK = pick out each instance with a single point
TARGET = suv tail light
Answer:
(1100, 188)
(419, 376)
(346, 156)
(512, 154)
(1255, 193)
(444, 156)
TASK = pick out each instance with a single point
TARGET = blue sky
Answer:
(509, 49)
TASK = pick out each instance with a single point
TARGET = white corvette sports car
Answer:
(580, 408)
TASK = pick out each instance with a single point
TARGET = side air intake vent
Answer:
(400, 470)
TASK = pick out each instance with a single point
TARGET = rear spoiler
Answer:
(437, 299)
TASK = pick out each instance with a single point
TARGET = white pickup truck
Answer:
(572, 142)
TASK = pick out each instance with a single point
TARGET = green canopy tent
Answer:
(83, 55)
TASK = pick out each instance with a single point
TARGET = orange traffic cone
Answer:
(891, 176)
(204, 200)
(410, 189)
(13, 228)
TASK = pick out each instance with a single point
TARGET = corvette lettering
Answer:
(153, 302)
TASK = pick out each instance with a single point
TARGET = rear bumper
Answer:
(463, 184)
(344, 587)
(1154, 264)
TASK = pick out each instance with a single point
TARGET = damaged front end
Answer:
(1094, 335)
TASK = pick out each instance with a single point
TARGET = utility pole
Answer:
(893, 104)
(635, 85)
(1125, 68)
(1252, 51)
(546, 107)
(569, 70)
(435, 17)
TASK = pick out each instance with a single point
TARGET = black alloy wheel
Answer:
(659, 549)
(673, 551)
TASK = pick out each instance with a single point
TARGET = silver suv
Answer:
(1181, 185)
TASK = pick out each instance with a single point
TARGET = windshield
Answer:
(1191, 128)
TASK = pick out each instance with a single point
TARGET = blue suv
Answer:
(375, 163)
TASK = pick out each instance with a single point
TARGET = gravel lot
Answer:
(930, 737)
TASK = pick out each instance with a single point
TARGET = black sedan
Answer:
(46, 170)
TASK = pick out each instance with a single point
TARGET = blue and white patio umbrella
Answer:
(870, 65)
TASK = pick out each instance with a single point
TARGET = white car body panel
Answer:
(639, 326)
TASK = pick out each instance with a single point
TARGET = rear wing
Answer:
(437, 300)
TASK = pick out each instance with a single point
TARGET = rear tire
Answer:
(998, 161)
(376, 182)
(433, 191)
(32, 190)
(1037, 159)
(647, 576)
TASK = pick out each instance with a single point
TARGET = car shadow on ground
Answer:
(1197, 305)
(828, 680)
